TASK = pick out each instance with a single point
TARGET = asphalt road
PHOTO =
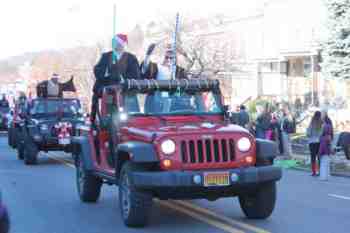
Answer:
(43, 199)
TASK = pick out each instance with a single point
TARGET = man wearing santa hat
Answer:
(113, 67)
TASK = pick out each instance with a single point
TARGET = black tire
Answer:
(134, 205)
(5, 223)
(88, 185)
(15, 137)
(20, 147)
(30, 152)
(260, 204)
(346, 149)
(10, 137)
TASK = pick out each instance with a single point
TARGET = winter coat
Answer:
(107, 73)
(152, 69)
(43, 91)
(288, 125)
(243, 118)
(263, 123)
(326, 139)
(313, 134)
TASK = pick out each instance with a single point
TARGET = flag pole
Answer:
(173, 71)
(114, 57)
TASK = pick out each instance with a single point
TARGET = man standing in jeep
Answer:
(112, 67)
(151, 70)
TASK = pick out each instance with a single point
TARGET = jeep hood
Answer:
(153, 132)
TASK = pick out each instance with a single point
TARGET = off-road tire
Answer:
(10, 137)
(4, 223)
(139, 203)
(20, 147)
(346, 149)
(88, 185)
(30, 152)
(15, 137)
(260, 204)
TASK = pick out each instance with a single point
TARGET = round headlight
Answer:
(244, 144)
(44, 127)
(168, 147)
(123, 116)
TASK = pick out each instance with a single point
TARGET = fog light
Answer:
(167, 163)
(249, 159)
(234, 177)
(197, 179)
(37, 138)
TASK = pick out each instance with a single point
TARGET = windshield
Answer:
(173, 103)
(42, 108)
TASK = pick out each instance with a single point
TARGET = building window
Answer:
(269, 67)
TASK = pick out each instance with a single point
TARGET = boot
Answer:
(313, 168)
(317, 165)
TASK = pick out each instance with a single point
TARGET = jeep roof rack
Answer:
(169, 85)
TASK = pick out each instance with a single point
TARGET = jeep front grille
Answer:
(207, 151)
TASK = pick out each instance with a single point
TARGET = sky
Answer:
(29, 26)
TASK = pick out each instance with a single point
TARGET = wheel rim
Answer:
(125, 195)
(81, 177)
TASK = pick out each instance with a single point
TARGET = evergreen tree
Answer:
(336, 50)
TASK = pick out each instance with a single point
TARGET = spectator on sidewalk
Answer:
(313, 133)
(325, 146)
(263, 123)
(243, 117)
(287, 128)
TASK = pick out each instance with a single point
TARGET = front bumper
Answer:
(185, 179)
(49, 142)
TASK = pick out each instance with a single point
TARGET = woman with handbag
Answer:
(325, 146)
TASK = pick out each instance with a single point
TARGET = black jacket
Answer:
(127, 66)
(41, 88)
(152, 71)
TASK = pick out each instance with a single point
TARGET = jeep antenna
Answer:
(173, 70)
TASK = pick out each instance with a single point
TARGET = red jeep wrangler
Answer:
(172, 140)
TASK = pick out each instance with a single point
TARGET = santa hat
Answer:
(121, 39)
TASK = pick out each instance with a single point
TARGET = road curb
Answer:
(337, 174)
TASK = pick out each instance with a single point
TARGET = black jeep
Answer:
(48, 126)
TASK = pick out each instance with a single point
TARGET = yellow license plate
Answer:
(216, 179)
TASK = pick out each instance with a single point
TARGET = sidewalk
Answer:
(340, 166)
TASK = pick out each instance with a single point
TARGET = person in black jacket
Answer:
(53, 88)
(112, 68)
(151, 70)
